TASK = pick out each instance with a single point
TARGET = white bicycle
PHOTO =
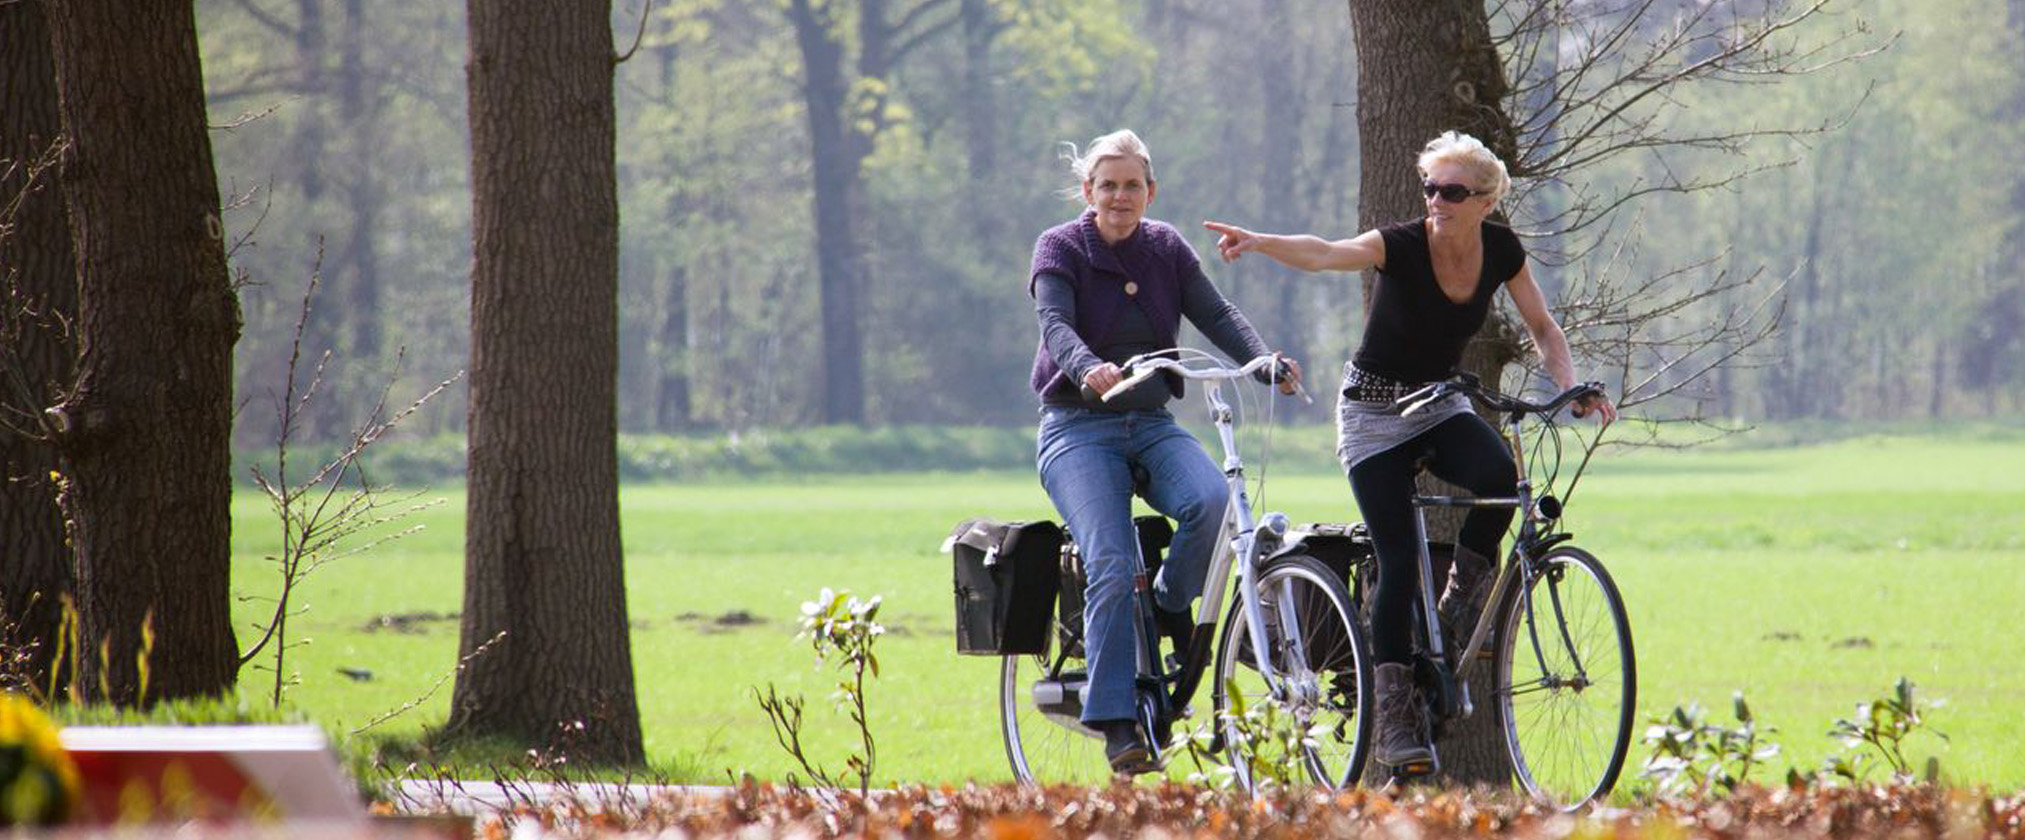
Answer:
(1289, 639)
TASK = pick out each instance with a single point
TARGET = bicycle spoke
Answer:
(1565, 688)
(1313, 646)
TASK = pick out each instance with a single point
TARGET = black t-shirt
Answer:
(1415, 333)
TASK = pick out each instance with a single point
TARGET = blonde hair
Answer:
(1117, 144)
(1483, 165)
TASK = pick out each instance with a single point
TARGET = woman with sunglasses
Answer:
(1437, 275)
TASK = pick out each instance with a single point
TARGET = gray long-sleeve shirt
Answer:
(1213, 314)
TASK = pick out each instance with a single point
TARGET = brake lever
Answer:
(1303, 393)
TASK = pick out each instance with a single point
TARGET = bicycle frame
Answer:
(1519, 560)
(1238, 540)
(1237, 543)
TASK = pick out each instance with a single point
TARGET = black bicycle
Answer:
(1565, 679)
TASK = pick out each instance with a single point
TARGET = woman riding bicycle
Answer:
(1109, 285)
(1436, 277)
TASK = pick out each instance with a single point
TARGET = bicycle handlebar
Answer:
(1469, 385)
(1143, 366)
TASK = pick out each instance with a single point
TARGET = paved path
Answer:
(473, 798)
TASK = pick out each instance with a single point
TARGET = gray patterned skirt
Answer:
(1367, 425)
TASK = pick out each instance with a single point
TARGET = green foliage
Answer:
(1877, 734)
(821, 450)
(1693, 756)
(1266, 747)
(837, 625)
(38, 780)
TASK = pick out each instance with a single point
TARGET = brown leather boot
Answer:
(1464, 599)
(1401, 734)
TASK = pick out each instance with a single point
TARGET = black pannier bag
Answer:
(1346, 550)
(1006, 574)
(1155, 533)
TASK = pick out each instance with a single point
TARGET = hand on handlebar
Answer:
(1596, 402)
(1103, 378)
(1285, 371)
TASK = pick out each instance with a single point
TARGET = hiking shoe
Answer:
(1463, 600)
(1125, 749)
(1401, 739)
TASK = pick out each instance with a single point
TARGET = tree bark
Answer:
(1424, 67)
(543, 560)
(40, 272)
(144, 437)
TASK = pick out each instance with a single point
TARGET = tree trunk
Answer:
(1280, 115)
(838, 158)
(1424, 67)
(36, 263)
(360, 113)
(673, 356)
(543, 562)
(980, 117)
(144, 437)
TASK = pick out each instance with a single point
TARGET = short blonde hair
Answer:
(1117, 144)
(1483, 165)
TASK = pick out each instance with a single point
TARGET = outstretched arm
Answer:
(1303, 251)
(1553, 343)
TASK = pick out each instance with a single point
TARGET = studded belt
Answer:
(1360, 385)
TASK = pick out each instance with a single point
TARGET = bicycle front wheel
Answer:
(1566, 679)
(1321, 693)
(1039, 703)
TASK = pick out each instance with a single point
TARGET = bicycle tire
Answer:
(1332, 688)
(1566, 679)
(1044, 749)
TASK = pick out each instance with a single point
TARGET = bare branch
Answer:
(261, 17)
(645, 14)
(908, 44)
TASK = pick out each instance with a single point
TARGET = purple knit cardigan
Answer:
(1154, 259)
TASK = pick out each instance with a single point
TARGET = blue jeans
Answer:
(1088, 459)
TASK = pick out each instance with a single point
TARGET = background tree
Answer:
(845, 114)
(719, 282)
(543, 559)
(39, 273)
(144, 434)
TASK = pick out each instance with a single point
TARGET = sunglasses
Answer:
(1451, 193)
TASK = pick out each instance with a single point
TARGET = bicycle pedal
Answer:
(1416, 769)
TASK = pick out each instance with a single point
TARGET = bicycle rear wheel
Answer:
(1324, 668)
(1566, 679)
(1038, 709)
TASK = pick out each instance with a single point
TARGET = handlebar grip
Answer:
(1128, 382)
(1583, 392)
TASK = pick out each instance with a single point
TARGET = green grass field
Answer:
(1809, 577)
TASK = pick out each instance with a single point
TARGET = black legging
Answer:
(1462, 450)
